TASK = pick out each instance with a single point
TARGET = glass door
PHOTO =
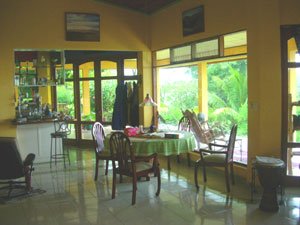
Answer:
(290, 46)
(87, 114)
(65, 98)
(96, 86)
(90, 86)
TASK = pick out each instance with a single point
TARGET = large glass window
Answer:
(178, 89)
(228, 101)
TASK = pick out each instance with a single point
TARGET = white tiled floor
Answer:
(72, 197)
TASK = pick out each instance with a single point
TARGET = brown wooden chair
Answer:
(122, 151)
(203, 132)
(98, 134)
(221, 158)
(184, 125)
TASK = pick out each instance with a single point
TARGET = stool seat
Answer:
(59, 135)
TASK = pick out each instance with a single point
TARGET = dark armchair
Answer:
(12, 167)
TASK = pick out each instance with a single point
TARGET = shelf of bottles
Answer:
(39, 68)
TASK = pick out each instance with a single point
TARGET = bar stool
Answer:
(61, 131)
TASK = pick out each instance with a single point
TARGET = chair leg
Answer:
(96, 169)
(55, 150)
(188, 159)
(68, 154)
(196, 174)
(114, 185)
(204, 172)
(63, 152)
(28, 179)
(51, 153)
(226, 178)
(134, 189)
(169, 163)
(106, 168)
(178, 159)
(157, 172)
(232, 174)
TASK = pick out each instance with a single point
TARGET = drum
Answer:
(270, 174)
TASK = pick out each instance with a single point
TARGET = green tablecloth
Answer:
(144, 146)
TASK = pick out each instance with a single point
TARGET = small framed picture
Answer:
(82, 27)
(193, 21)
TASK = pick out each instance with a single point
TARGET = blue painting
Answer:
(82, 27)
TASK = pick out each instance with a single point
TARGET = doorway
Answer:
(89, 91)
(290, 47)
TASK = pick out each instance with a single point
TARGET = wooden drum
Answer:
(270, 174)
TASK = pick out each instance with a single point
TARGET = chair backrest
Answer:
(121, 151)
(184, 124)
(231, 143)
(98, 134)
(202, 135)
(11, 164)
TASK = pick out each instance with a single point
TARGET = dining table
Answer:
(149, 143)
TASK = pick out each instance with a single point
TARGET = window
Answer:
(181, 54)
(206, 49)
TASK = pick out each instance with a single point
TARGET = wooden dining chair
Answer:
(128, 165)
(98, 134)
(184, 125)
(220, 158)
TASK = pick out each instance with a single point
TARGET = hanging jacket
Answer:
(134, 107)
(119, 118)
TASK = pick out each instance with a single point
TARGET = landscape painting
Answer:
(193, 21)
(82, 27)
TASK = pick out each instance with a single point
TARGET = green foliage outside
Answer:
(227, 94)
(108, 98)
(65, 96)
(177, 94)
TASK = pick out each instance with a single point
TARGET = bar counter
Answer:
(34, 137)
(33, 122)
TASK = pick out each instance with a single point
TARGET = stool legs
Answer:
(51, 153)
(63, 155)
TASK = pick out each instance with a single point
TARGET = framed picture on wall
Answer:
(82, 26)
(193, 21)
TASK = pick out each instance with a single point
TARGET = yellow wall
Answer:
(40, 25)
(262, 20)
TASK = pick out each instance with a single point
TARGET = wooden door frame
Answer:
(119, 59)
(286, 32)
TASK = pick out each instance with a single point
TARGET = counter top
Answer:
(28, 122)
(33, 122)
